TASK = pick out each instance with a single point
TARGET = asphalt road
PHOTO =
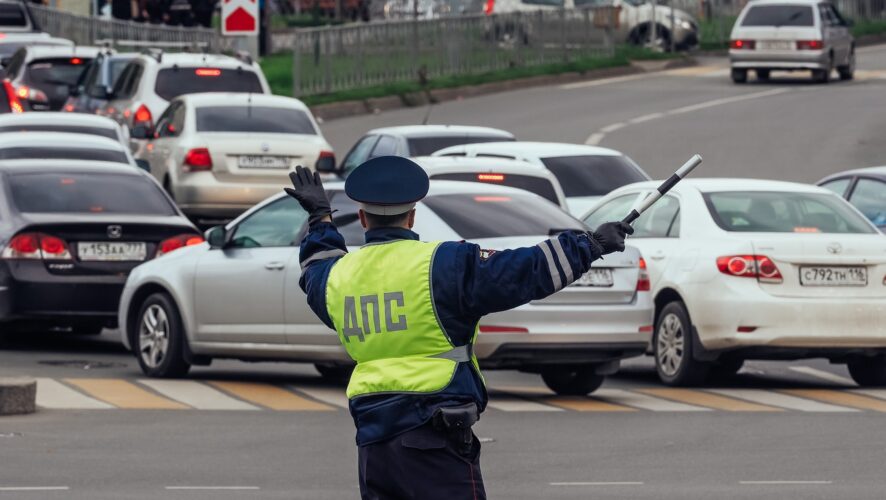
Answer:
(775, 431)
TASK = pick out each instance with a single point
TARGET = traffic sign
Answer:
(240, 17)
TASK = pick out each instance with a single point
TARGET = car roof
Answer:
(784, 2)
(57, 118)
(539, 149)
(31, 36)
(873, 171)
(190, 59)
(56, 140)
(482, 164)
(439, 130)
(43, 51)
(714, 185)
(82, 166)
(240, 99)
(454, 187)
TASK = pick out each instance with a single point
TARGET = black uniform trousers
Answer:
(421, 464)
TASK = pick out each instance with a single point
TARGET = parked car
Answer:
(791, 35)
(513, 173)
(63, 146)
(585, 172)
(43, 74)
(150, 81)
(416, 140)
(11, 42)
(93, 91)
(218, 154)
(64, 122)
(238, 295)
(865, 188)
(71, 232)
(751, 269)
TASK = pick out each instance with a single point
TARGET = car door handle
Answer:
(657, 256)
(274, 266)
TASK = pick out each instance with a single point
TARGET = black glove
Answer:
(611, 236)
(310, 193)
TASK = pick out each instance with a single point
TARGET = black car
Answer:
(865, 189)
(70, 233)
(44, 75)
(93, 91)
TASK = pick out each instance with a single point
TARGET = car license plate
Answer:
(256, 161)
(111, 251)
(833, 276)
(595, 277)
(776, 45)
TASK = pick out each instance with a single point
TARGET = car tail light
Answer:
(742, 44)
(176, 242)
(750, 266)
(36, 246)
(491, 177)
(809, 45)
(745, 329)
(488, 7)
(76, 60)
(14, 104)
(31, 94)
(502, 329)
(207, 72)
(143, 117)
(643, 284)
(197, 160)
(325, 162)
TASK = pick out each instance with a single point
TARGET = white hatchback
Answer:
(751, 269)
(218, 154)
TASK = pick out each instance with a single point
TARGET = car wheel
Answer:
(673, 348)
(868, 372)
(335, 373)
(160, 338)
(739, 75)
(572, 380)
(762, 75)
(847, 72)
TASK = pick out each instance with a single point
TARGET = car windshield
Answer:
(12, 14)
(254, 119)
(538, 185)
(87, 193)
(57, 71)
(494, 215)
(593, 175)
(425, 146)
(173, 82)
(784, 212)
(74, 129)
(47, 153)
(779, 15)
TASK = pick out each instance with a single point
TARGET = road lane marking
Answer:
(643, 401)
(874, 393)
(217, 488)
(823, 375)
(707, 399)
(54, 395)
(645, 118)
(781, 400)
(840, 398)
(784, 482)
(612, 128)
(579, 403)
(196, 395)
(726, 100)
(270, 396)
(34, 488)
(594, 139)
(598, 483)
(693, 71)
(123, 394)
(328, 395)
(603, 81)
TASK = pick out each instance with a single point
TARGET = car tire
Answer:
(847, 72)
(868, 372)
(762, 75)
(572, 380)
(159, 338)
(739, 75)
(673, 345)
(335, 373)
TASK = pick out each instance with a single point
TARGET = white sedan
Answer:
(751, 269)
(238, 295)
(63, 146)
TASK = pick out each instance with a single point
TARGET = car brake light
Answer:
(14, 104)
(325, 162)
(197, 160)
(742, 44)
(491, 177)
(143, 116)
(207, 72)
(643, 284)
(36, 246)
(31, 94)
(502, 329)
(488, 7)
(750, 266)
(176, 242)
(492, 199)
(809, 45)
(76, 60)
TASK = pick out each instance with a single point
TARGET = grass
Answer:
(868, 27)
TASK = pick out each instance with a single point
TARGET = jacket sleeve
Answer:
(494, 281)
(320, 249)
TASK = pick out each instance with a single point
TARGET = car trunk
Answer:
(612, 280)
(822, 265)
(246, 157)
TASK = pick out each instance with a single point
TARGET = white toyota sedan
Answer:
(751, 269)
(238, 296)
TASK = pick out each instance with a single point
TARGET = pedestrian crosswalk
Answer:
(226, 395)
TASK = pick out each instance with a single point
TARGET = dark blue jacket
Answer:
(468, 283)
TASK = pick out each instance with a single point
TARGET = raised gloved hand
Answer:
(611, 236)
(308, 190)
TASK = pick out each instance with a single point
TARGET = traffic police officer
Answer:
(407, 312)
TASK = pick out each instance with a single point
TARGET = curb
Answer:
(332, 111)
(18, 395)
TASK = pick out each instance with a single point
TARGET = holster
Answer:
(456, 421)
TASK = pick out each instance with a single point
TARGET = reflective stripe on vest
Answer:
(381, 303)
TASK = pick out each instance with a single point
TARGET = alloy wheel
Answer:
(670, 345)
(153, 336)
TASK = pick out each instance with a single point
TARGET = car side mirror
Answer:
(143, 164)
(216, 237)
(141, 132)
(326, 164)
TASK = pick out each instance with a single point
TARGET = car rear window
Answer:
(254, 119)
(12, 15)
(56, 71)
(425, 146)
(784, 212)
(87, 193)
(779, 15)
(99, 131)
(593, 175)
(49, 153)
(494, 215)
(537, 185)
(173, 82)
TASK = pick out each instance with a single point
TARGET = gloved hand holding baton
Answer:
(666, 186)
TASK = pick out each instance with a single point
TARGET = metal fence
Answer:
(346, 57)
(88, 30)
